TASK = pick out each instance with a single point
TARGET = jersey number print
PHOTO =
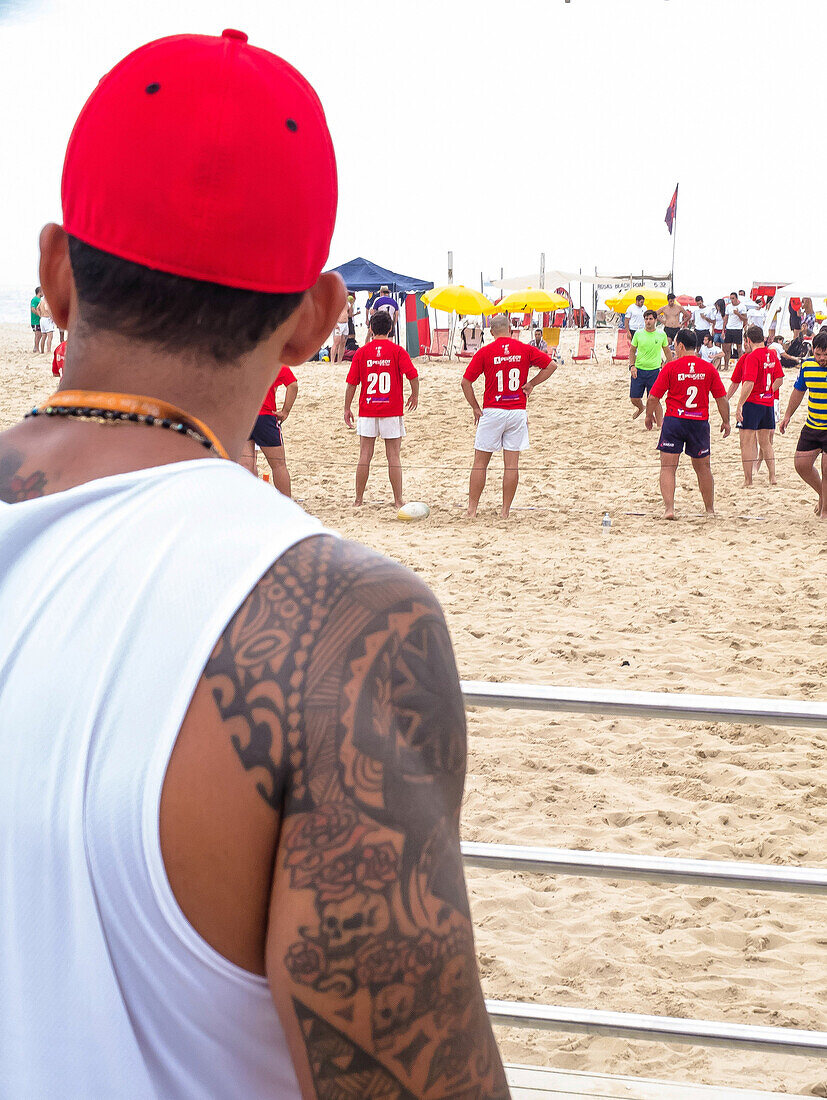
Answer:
(379, 383)
(513, 379)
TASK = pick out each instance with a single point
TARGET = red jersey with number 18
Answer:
(505, 364)
(378, 368)
(687, 383)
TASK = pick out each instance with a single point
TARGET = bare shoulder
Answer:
(339, 691)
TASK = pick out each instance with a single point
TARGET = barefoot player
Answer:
(812, 380)
(761, 378)
(267, 432)
(502, 422)
(644, 361)
(378, 368)
(687, 383)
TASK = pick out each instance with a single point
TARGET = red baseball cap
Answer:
(208, 158)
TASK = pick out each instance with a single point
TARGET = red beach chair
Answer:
(624, 342)
(585, 346)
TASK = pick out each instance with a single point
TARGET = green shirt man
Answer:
(648, 346)
(644, 361)
(34, 313)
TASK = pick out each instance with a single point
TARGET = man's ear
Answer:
(56, 273)
(315, 318)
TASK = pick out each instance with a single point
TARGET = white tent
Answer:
(812, 288)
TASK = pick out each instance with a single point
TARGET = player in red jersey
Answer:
(267, 433)
(378, 368)
(502, 422)
(761, 377)
(687, 382)
(58, 358)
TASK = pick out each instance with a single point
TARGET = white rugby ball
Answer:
(414, 509)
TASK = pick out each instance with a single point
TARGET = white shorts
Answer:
(386, 427)
(341, 328)
(47, 324)
(502, 430)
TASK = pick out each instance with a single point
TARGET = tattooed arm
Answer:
(339, 679)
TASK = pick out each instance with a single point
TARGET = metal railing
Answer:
(664, 870)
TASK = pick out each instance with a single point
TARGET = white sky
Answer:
(497, 130)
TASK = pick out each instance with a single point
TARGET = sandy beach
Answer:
(735, 605)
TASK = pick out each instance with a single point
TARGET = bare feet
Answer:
(503, 514)
(669, 515)
(357, 503)
(399, 504)
(636, 413)
(773, 481)
(469, 514)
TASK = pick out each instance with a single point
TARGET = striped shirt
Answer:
(813, 379)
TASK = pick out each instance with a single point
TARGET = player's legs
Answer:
(805, 468)
(706, 483)
(366, 445)
(477, 481)
(727, 350)
(511, 478)
(47, 342)
(247, 458)
(638, 404)
(749, 453)
(36, 335)
(823, 513)
(767, 452)
(393, 453)
(668, 479)
(278, 464)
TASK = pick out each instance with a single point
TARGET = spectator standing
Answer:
(47, 325)
(35, 319)
(385, 303)
(808, 315)
(673, 316)
(736, 318)
(634, 316)
(703, 318)
(795, 316)
(719, 323)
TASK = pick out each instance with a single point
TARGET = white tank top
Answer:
(112, 596)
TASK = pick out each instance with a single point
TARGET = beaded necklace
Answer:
(110, 408)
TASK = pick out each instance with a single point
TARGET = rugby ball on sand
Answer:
(414, 509)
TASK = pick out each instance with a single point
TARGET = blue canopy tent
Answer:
(362, 274)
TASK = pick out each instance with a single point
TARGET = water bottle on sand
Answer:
(606, 525)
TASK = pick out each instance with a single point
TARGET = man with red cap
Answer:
(233, 744)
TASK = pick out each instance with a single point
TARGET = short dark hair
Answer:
(756, 334)
(381, 323)
(686, 338)
(820, 341)
(650, 313)
(640, 296)
(172, 312)
(698, 298)
(670, 297)
(38, 290)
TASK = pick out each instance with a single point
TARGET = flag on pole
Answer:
(672, 211)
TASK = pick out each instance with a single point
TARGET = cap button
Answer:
(230, 33)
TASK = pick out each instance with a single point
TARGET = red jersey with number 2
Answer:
(761, 367)
(378, 368)
(284, 378)
(687, 383)
(505, 365)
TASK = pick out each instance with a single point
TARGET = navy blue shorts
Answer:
(677, 433)
(643, 383)
(758, 418)
(267, 432)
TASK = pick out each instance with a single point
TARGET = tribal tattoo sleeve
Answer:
(338, 687)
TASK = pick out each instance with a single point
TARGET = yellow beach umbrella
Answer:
(653, 298)
(530, 300)
(455, 298)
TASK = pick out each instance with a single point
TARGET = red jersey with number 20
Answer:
(687, 383)
(505, 364)
(761, 367)
(378, 368)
